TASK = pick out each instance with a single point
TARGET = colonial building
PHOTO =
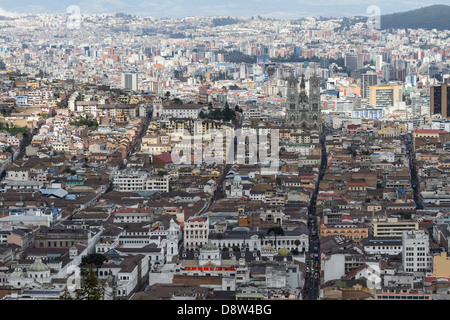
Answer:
(195, 233)
(303, 111)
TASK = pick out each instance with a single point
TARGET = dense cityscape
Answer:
(223, 158)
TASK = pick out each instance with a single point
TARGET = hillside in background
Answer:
(432, 17)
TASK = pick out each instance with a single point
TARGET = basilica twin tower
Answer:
(303, 111)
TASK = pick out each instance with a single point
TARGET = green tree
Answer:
(70, 171)
(261, 237)
(278, 181)
(177, 101)
(91, 288)
(81, 121)
(96, 259)
(66, 295)
(352, 151)
(405, 215)
(276, 231)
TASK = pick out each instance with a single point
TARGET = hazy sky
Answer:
(281, 9)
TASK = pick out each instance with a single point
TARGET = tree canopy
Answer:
(91, 288)
(81, 121)
(225, 114)
(96, 259)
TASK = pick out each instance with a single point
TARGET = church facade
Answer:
(303, 111)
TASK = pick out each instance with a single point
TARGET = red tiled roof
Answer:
(165, 157)
(430, 131)
(356, 184)
(197, 220)
(436, 279)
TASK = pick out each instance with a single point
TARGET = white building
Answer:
(252, 113)
(38, 272)
(140, 181)
(130, 81)
(416, 256)
(382, 246)
(191, 111)
(130, 273)
(17, 173)
(195, 233)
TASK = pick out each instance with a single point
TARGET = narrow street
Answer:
(412, 166)
(312, 283)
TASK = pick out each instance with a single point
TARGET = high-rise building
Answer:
(440, 100)
(243, 71)
(324, 63)
(378, 62)
(385, 96)
(433, 70)
(130, 81)
(386, 72)
(354, 61)
(415, 255)
(367, 80)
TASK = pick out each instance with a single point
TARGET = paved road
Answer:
(312, 283)
(412, 164)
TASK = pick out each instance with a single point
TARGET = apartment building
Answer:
(140, 181)
(391, 227)
(415, 255)
(182, 110)
(385, 96)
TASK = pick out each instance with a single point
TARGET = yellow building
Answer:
(426, 133)
(33, 84)
(391, 227)
(135, 100)
(156, 148)
(391, 130)
(385, 96)
(441, 266)
(352, 231)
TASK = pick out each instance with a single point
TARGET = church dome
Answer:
(38, 266)
(17, 273)
(237, 178)
(209, 246)
(284, 252)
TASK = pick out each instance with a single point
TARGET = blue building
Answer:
(368, 113)
(21, 100)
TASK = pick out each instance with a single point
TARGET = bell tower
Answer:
(291, 117)
(303, 111)
(315, 118)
